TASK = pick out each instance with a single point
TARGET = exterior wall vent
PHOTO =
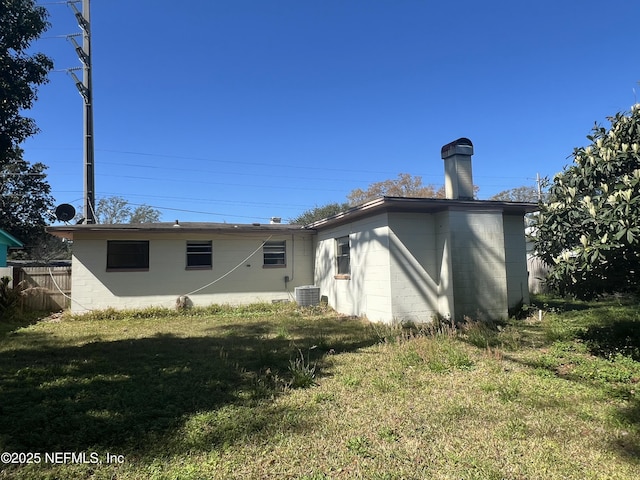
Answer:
(307, 295)
(457, 169)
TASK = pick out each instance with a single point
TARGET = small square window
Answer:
(343, 256)
(127, 255)
(275, 254)
(199, 254)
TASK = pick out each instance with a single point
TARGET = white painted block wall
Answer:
(516, 260)
(167, 278)
(414, 260)
(415, 266)
(368, 290)
(478, 264)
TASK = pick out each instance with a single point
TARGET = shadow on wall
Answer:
(413, 268)
(133, 396)
(419, 268)
(232, 272)
(478, 260)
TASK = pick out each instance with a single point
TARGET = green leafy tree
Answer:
(25, 198)
(318, 213)
(24, 193)
(589, 227)
(110, 210)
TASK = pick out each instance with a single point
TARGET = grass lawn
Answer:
(273, 391)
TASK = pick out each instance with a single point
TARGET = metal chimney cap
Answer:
(461, 146)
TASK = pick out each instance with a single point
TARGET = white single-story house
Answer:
(392, 259)
(143, 265)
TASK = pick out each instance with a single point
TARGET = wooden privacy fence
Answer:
(537, 272)
(44, 288)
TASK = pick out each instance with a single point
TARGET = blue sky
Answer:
(240, 110)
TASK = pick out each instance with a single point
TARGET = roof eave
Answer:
(424, 205)
(9, 240)
(68, 231)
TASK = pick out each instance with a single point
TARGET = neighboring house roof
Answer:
(68, 231)
(7, 239)
(423, 205)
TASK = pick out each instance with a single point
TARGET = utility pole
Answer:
(539, 183)
(85, 89)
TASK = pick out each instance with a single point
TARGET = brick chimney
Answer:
(457, 169)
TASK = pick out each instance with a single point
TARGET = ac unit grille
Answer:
(307, 295)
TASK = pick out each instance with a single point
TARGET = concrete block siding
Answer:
(516, 260)
(413, 266)
(414, 259)
(366, 291)
(478, 269)
(167, 277)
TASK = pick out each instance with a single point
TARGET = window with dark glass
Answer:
(343, 256)
(275, 254)
(127, 255)
(199, 254)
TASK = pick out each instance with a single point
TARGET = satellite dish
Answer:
(65, 212)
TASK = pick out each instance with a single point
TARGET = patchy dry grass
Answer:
(210, 394)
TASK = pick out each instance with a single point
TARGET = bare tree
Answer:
(518, 194)
(110, 210)
(406, 185)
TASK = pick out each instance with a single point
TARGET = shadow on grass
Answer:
(132, 396)
(624, 402)
(594, 344)
(558, 304)
(18, 321)
(619, 337)
(629, 445)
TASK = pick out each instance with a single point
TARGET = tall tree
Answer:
(318, 213)
(48, 249)
(116, 209)
(112, 210)
(406, 185)
(144, 214)
(24, 193)
(589, 227)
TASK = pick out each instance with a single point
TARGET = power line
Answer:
(213, 172)
(235, 162)
(302, 167)
(187, 180)
(204, 200)
(349, 180)
(195, 211)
